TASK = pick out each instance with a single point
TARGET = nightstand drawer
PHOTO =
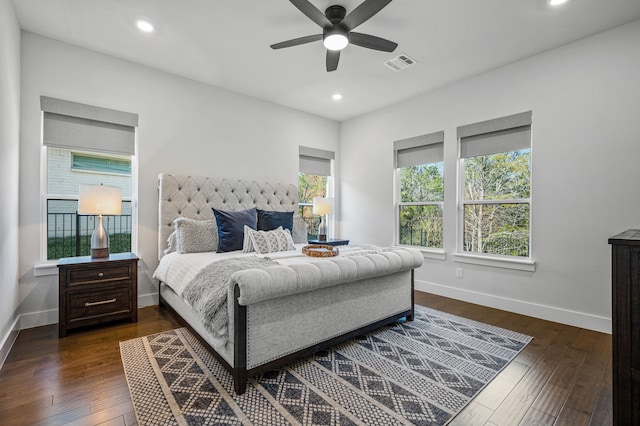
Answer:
(86, 304)
(103, 273)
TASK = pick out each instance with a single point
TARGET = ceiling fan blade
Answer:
(312, 12)
(372, 42)
(333, 56)
(297, 41)
(360, 14)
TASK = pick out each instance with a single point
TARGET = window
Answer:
(314, 180)
(420, 190)
(107, 165)
(85, 145)
(495, 166)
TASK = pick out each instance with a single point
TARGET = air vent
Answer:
(400, 62)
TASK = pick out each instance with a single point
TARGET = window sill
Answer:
(45, 269)
(496, 262)
(437, 254)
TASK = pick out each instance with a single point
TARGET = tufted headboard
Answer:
(195, 196)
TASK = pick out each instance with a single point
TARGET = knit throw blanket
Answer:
(207, 292)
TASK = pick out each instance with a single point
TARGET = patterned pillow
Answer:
(299, 231)
(268, 241)
(195, 236)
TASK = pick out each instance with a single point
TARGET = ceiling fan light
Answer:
(335, 40)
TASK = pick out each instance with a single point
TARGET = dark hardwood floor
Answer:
(563, 377)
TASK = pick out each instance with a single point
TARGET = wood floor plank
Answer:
(563, 374)
(537, 418)
(497, 390)
(473, 414)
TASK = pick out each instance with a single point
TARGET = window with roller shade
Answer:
(419, 164)
(495, 167)
(314, 180)
(85, 145)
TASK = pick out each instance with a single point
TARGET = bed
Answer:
(285, 304)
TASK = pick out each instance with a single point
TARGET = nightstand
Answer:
(97, 290)
(330, 242)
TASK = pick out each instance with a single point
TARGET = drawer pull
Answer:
(101, 274)
(102, 302)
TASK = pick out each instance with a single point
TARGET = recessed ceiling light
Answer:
(336, 96)
(557, 2)
(144, 26)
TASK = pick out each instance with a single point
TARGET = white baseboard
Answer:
(147, 300)
(8, 341)
(37, 319)
(549, 313)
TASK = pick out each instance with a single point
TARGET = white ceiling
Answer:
(226, 43)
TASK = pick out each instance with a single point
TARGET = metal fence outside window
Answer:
(69, 234)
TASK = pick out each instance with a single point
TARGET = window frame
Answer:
(76, 126)
(431, 139)
(493, 259)
(325, 163)
(45, 196)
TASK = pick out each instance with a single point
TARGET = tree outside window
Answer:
(497, 189)
(420, 207)
(495, 166)
(310, 186)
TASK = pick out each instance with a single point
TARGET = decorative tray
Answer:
(320, 250)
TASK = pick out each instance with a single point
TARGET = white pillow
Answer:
(267, 241)
(195, 236)
(171, 243)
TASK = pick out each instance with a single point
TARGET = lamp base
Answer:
(322, 229)
(100, 252)
(99, 240)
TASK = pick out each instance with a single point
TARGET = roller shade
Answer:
(511, 133)
(424, 149)
(315, 161)
(73, 125)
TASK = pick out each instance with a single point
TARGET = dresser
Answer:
(97, 290)
(625, 258)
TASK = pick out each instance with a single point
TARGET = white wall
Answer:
(585, 99)
(9, 148)
(184, 127)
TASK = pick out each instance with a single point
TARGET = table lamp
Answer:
(100, 200)
(322, 206)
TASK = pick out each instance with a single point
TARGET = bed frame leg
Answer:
(240, 380)
(413, 304)
(240, 344)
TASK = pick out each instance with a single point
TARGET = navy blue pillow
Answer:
(231, 227)
(269, 220)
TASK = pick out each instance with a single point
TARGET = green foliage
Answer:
(310, 186)
(421, 225)
(498, 228)
(66, 246)
(422, 183)
(499, 176)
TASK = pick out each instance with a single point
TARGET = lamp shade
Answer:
(100, 199)
(322, 205)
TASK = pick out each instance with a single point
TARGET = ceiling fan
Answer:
(337, 29)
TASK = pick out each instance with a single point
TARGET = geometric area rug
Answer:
(422, 372)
